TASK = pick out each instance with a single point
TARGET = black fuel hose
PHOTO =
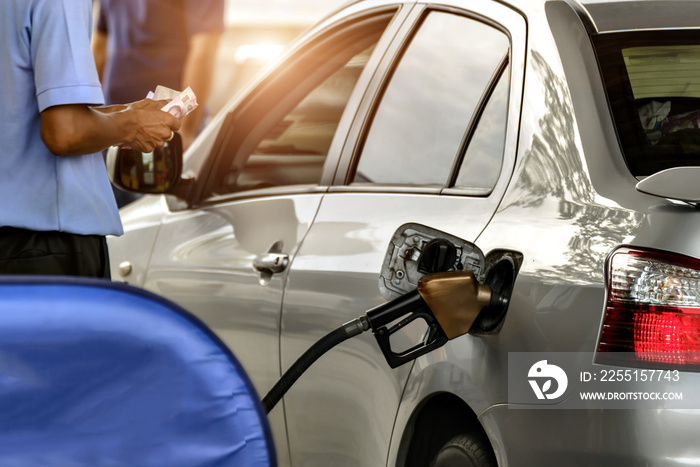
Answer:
(307, 359)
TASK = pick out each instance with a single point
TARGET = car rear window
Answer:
(653, 84)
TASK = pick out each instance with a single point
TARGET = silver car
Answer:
(554, 141)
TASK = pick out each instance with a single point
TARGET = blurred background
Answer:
(256, 31)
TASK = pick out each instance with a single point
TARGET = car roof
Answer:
(604, 16)
(630, 15)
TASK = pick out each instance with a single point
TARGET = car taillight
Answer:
(652, 313)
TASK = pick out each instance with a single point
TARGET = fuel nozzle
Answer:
(448, 302)
(456, 299)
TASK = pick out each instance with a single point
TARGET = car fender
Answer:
(129, 255)
(441, 375)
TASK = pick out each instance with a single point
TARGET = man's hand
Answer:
(149, 126)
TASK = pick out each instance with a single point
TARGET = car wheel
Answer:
(465, 450)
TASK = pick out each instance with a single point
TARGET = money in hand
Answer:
(181, 103)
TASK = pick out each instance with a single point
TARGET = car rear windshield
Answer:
(653, 85)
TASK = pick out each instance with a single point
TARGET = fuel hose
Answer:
(327, 342)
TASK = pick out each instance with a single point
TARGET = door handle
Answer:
(272, 262)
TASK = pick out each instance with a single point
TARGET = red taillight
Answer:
(652, 315)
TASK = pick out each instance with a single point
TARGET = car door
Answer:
(434, 143)
(225, 258)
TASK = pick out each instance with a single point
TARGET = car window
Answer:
(654, 93)
(423, 119)
(294, 150)
(283, 135)
(482, 162)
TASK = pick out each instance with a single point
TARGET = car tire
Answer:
(465, 450)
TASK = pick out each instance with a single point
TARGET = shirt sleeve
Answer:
(204, 16)
(64, 68)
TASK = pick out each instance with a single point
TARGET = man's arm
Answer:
(197, 74)
(78, 129)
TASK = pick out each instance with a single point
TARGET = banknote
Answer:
(181, 103)
(163, 92)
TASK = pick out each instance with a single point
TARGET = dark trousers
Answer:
(55, 253)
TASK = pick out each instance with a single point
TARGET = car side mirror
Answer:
(154, 172)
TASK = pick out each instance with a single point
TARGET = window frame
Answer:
(506, 20)
(231, 138)
(499, 73)
(470, 127)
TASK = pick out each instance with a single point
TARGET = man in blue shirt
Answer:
(56, 203)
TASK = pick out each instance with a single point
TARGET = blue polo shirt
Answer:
(46, 60)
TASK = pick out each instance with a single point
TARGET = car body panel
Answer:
(143, 218)
(204, 261)
(596, 437)
(331, 400)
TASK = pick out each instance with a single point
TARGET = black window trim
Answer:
(471, 130)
